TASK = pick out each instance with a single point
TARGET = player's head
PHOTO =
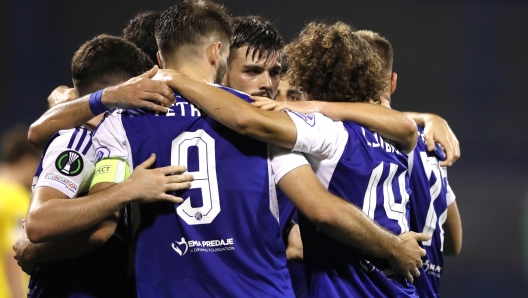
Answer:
(286, 91)
(140, 31)
(255, 56)
(384, 48)
(16, 152)
(106, 61)
(331, 63)
(195, 33)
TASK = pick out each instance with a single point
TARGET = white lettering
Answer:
(194, 111)
(182, 107)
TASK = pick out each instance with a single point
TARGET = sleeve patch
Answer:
(69, 163)
(70, 185)
(100, 153)
(309, 119)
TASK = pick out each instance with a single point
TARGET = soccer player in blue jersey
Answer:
(224, 239)
(350, 160)
(72, 240)
(433, 207)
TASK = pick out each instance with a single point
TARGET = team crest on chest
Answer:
(69, 163)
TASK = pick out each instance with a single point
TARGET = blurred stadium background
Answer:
(464, 60)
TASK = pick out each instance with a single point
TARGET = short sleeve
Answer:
(450, 196)
(284, 161)
(68, 163)
(317, 134)
(110, 139)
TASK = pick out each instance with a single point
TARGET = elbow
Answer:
(410, 135)
(321, 218)
(453, 250)
(34, 231)
(102, 234)
(33, 137)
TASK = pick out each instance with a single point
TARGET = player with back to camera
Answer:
(433, 206)
(70, 235)
(324, 141)
(228, 222)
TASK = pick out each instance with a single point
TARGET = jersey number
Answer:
(204, 178)
(395, 211)
(431, 167)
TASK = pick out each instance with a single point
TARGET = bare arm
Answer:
(267, 126)
(135, 93)
(437, 130)
(348, 224)
(389, 123)
(52, 215)
(452, 231)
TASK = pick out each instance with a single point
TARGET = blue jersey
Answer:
(359, 166)
(288, 215)
(224, 240)
(67, 165)
(430, 197)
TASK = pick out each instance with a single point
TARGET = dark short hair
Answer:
(332, 63)
(189, 22)
(105, 61)
(14, 145)
(141, 32)
(258, 34)
(381, 44)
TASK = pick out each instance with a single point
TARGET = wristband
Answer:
(96, 104)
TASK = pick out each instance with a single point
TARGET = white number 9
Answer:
(204, 178)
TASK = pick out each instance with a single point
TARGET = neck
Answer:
(92, 123)
(197, 71)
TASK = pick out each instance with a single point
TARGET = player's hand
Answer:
(140, 93)
(152, 185)
(294, 251)
(406, 258)
(437, 130)
(305, 107)
(61, 94)
(171, 78)
(22, 256)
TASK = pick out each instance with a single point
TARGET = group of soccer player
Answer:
(160, 167)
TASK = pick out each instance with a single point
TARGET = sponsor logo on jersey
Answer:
(70, 185)
(309, 119)
(101, 153)
(69, 163)
(183, 246)
(432, 269)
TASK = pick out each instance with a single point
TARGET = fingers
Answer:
(177, 186)
(429, 140)
(179, 178)
(158, 98)
(169, 170)
(153, 107)
(409, 277)
(422, 237)
(173, 199)
(151, 73)
(269, 106)
(415, 272)
(148, 163)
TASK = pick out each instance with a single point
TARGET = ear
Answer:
(160, 61)
(394, 79)
(213, 53)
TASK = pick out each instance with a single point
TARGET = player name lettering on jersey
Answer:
(377, 142)
(184, 109)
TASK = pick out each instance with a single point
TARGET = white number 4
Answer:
(393, 210)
